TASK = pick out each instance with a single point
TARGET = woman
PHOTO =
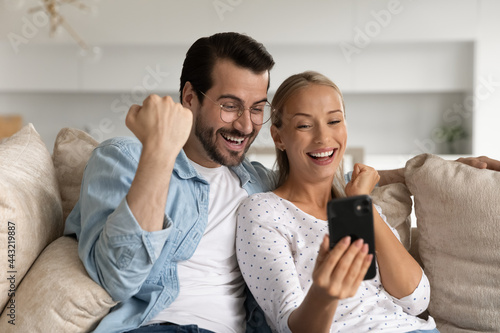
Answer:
(300, 288)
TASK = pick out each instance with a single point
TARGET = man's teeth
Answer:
(324, 154)
(232, 138)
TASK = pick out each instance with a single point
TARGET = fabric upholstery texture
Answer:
(395, 201)
(72, 149)
(29, 203)
(57, 295)
(458, 219)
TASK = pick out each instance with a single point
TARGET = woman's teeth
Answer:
(232, 138)
(324, 154)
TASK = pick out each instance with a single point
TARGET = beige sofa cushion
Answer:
(458, 218)
(72, 149)
(57, 295)
(395, 201)
(29, 203)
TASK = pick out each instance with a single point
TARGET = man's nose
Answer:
(244, 123)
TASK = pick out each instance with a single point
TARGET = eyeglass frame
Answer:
(240, 112)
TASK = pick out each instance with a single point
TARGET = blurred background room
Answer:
(417, 76)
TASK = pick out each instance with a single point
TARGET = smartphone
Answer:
(353, 216)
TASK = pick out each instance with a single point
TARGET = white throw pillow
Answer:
(57, 295)
(458, 218)
(30, 206)
(396, 204)
(72, 150)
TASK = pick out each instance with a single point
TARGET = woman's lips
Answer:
(322, 156)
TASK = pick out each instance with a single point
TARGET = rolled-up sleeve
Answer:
(418, 301)
(115, 250)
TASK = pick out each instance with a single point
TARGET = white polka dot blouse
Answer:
(277, 245)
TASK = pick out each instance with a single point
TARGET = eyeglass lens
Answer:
(259, 114)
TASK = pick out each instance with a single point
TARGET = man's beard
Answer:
(208, 138)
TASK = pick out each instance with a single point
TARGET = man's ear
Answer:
(188, 95)
(275, 134)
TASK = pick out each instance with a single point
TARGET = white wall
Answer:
(487, 81)
(277, 21)
(403, 65)
(50, 112)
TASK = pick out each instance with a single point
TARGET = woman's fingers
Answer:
(340, 272)
(364, 179)
(323, 251)
(357, 272)
(327, 260)
(355, 171)
(364, 268)
(348, 263)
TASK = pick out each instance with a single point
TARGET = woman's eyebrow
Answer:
(301, 114)
(308, 115)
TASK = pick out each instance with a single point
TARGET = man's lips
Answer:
(235, 142)
(233, 139)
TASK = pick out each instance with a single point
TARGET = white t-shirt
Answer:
(277, 245)
(212, 290)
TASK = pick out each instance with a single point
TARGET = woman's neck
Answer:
(311, 198)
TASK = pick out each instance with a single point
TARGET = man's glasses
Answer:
(260, 113)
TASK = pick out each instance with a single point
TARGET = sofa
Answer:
(45, 288)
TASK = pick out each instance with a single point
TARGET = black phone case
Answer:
(352, 216)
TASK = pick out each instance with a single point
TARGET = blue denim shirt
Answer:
(139, 268)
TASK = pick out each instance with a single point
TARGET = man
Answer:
(156, 215)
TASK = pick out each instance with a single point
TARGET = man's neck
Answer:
(199, 157)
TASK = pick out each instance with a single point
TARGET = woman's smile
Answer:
(323, 156)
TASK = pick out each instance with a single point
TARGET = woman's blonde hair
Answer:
(282, 95)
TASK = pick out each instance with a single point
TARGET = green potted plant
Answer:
(450, 135)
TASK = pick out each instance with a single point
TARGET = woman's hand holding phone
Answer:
(337, 275)
(339, 272)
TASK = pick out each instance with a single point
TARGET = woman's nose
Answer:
(320, 135)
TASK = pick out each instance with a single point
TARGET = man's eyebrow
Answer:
(308, 115)
(236, 98)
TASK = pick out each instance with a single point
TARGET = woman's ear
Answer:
(188, 94)
(275, 134)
